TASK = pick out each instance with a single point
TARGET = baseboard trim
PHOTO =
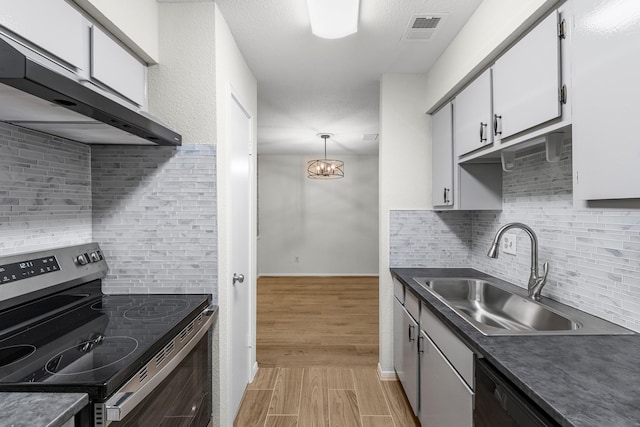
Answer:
(386, 375)
(254, 371)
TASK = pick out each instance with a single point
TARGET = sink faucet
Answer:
(536, 282)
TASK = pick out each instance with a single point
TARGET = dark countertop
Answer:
(39, 409)
(586, 380)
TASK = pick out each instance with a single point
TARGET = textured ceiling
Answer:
(308, 85)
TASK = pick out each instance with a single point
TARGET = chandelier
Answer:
(325, 168)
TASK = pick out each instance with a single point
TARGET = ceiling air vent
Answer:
(370, 137)
(423, 27)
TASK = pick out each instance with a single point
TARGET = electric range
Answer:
(60, 333)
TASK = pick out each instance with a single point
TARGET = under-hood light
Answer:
(333, 19)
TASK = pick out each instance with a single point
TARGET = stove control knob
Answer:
(94, 257)
(82, 260)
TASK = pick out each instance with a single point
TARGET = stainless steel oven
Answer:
(144, 360)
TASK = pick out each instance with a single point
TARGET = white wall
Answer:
(330, 226)
(182, 90)
(405, 177)
(493, 26)
(135, 23)
(232, 73)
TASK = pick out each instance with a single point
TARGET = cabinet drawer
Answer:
(412, 304)
(457, 353)
(116, 68)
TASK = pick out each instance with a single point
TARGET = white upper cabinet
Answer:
(476, 186)
(116, 68)
(473, 115)
(51, 25)
(442, 155)
(527, 80)
(606, 66)
(63, 36)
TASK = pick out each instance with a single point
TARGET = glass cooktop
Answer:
(85, 340)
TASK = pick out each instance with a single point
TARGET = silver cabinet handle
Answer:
(483, 127)
(238, 278)
(497, 118)
(411, 338)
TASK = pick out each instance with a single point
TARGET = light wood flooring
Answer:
(317, 348)
(323, 397)
(327, 321)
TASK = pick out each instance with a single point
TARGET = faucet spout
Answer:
(536, 281)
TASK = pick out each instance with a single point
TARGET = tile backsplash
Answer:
(154, 213)
(45, 191)
(593, 254)
(152, 209)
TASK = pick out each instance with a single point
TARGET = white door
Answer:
(239, 281)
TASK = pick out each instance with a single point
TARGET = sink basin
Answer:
(496, 309)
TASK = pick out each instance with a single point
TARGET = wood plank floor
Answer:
(317, 348)
(305, 397)
(306, 321)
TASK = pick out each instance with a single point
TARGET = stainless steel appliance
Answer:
(144, 360)
(499, 403)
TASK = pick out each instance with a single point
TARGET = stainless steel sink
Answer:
(498, 309)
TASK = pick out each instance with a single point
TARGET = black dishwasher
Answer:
(500, 403)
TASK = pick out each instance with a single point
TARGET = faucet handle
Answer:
(545, 272)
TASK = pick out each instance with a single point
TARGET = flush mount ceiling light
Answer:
(325, 168)
(333, 19)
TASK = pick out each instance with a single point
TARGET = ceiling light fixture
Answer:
(325, 168)
(333, 19)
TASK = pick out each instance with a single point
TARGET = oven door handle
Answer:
(124, 401)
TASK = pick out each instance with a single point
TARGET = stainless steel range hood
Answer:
(40, 95)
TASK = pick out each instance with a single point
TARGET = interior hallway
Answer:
(317, 348)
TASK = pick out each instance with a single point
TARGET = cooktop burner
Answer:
(110, 302)
(15, 353)
(169, 306)
(96, 353)
(95, 343)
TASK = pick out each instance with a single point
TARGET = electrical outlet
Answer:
(509, 245)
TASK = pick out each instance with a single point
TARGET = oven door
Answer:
(175, 391)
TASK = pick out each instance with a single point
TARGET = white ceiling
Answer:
(308, 85)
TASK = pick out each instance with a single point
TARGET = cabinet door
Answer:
(606, 66)
(472, 112)
(526, 80)
(116, 68)
(406, 353)
(442, 157)
(52, 25)
(445, 399)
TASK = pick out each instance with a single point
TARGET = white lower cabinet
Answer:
(445, 399)
(435, 367)
(405, 345)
